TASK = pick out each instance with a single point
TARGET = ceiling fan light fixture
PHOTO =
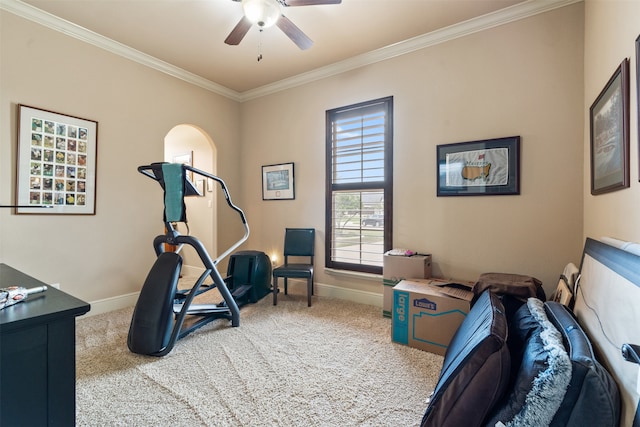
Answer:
(264, 13)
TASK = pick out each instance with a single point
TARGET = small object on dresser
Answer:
(15, 294)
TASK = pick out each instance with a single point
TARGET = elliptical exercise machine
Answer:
(160, 312)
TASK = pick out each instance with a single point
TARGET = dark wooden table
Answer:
(38, 355)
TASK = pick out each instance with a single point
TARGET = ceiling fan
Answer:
(266, 13)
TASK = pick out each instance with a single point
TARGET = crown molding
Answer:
(481, 23)
(55, 23)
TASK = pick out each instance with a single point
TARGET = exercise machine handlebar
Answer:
(152, 171)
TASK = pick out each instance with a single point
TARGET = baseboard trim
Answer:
(331, 291)
(362, 297)
(110, 304)
(323, 290)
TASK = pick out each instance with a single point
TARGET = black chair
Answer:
(298, 242)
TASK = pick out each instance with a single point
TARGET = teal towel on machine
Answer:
(174, 208)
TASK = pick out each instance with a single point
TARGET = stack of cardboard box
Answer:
(396, 268)
(428, 312)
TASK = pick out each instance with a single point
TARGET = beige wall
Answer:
(611, 28)
(527, 78)
(524, 78)
(109, 254)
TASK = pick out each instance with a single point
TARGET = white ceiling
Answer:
(190, 34)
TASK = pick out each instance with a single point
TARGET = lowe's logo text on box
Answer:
(426, 304)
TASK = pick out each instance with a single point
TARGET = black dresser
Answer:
(38, 355)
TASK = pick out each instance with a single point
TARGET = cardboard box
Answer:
(396, 268)
(427, 313)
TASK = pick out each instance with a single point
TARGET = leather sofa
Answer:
(531, 366)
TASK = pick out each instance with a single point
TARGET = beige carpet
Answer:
(332, 364)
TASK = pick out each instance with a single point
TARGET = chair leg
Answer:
(309, 291)
(285, 286)
(275, 290)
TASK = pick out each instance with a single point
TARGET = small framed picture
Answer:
(185, 159)
(200, 186)
(278, 182)
(562, 294)
(638, 96)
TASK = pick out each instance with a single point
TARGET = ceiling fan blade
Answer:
(294, 33)
(310, 2)
(238, 33)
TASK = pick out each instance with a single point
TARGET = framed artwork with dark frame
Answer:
(278, 182)
(56, 165)
(609, 129)
(638, 97)
(479, 168)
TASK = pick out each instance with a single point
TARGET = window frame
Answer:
(386, 186)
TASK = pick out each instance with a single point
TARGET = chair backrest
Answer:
(299, 242)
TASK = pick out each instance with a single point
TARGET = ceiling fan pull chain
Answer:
(260, 45)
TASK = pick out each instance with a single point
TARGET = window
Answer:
(359, 192)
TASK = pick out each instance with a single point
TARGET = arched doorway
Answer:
(187, 141)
